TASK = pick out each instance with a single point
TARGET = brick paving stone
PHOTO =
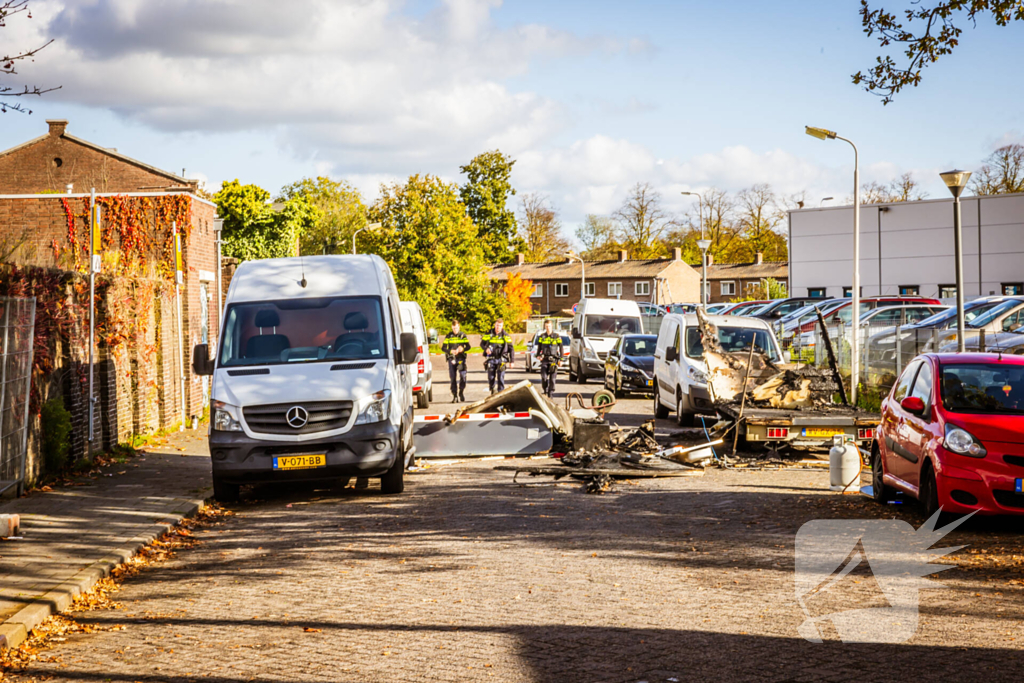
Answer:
(467, 577)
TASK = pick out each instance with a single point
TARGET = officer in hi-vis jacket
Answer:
(499, 353)
(548, 350)
(454, 348)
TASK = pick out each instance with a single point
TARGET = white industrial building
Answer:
(915, 240)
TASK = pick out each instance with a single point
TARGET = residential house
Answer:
(728, 281)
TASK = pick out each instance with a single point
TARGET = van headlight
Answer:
(376, 410)
(225, 417)
(696, 375)
(588, 354)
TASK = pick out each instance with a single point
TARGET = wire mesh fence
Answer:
(17, 334)
(885, 349)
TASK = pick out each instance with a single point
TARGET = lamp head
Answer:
(703, 245)
(820, 133)
(956, 181)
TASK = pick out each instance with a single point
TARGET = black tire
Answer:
(580, 377)
(393, 481)
(572, 375)
(683, 419)
(225, 492)
(660, 411)
(430, 393)
(879, 490)
(422, 401)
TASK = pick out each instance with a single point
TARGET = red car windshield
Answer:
(991, 388)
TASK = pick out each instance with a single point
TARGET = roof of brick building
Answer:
(563, 270)
(748, 271)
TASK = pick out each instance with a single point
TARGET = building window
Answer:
(538, 290)
(816, 292)
(848, 292)
(561, 289)
(947, 291)
(615, 289)
(1013, 288)
(643, 288)
(728, 288)
(588, 289)
(910, 290)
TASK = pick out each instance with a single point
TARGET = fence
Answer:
(17, 336)
(885, 350)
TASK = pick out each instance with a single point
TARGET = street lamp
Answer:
(368, 226)
(823, 134)
(956, 181)
(583, 274)
(703, 265)
(704, 245)
(825, 199)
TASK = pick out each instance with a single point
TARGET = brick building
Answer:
(44, 235)
(557, 283)
(728, 281)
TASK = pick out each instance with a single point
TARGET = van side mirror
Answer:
(202, 364)
(576, 333)
(409, 348)
(671, 354)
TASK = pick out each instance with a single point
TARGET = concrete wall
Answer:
(915, 240)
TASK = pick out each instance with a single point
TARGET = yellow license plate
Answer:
(300, 462)
(822, 433)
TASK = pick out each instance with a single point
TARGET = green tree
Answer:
(930, 32)
(759, 221)
(341, 213)
(433, 249)
(485, 195)
(252, 229)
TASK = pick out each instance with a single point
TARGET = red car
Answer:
(957, 443)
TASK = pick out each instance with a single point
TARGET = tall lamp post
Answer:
(823, 134)
(704, 245)
(703, 265)
(956, 181)
(368, 226)
(583, 274)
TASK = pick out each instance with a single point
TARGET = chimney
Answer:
(623, 255)
(760, 258)
(520, 259)
(677, 254)
(711, 259)
(57, 127)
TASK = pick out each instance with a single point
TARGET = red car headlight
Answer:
(961, 441)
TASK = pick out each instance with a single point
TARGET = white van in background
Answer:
(312, 379)
(597, 325)
(680, 373)
(423, 382)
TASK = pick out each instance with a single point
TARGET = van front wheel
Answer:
(225, 492)
(660, 411)
(422, 401)
(393, 480)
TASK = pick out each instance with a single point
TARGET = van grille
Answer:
(323, 416)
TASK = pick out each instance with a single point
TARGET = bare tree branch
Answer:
(8, 63)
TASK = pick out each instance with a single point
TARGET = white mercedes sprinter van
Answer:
(313, 376)
(423, 381)
(597, 325)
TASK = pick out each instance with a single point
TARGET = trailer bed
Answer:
(809, 428)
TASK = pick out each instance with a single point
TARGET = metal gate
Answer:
(17, 335)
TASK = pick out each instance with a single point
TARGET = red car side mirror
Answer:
(912, 404)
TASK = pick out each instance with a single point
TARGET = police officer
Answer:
(454, 348)
(548, 350)
(499, 353)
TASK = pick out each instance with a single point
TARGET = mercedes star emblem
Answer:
(297, 417)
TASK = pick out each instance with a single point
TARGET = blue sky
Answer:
(589, 97)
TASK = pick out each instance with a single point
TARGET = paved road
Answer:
(467, 577)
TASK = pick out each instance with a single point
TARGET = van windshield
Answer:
(302, 331)
(610, 326)
(732, 339)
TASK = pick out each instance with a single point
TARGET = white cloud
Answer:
(356, 82)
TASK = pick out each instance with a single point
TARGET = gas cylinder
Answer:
(844, 467)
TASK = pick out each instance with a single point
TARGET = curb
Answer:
(16, 629)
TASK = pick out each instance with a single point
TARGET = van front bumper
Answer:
(364, 451)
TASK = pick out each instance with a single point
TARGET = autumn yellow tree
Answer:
(517, 302)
